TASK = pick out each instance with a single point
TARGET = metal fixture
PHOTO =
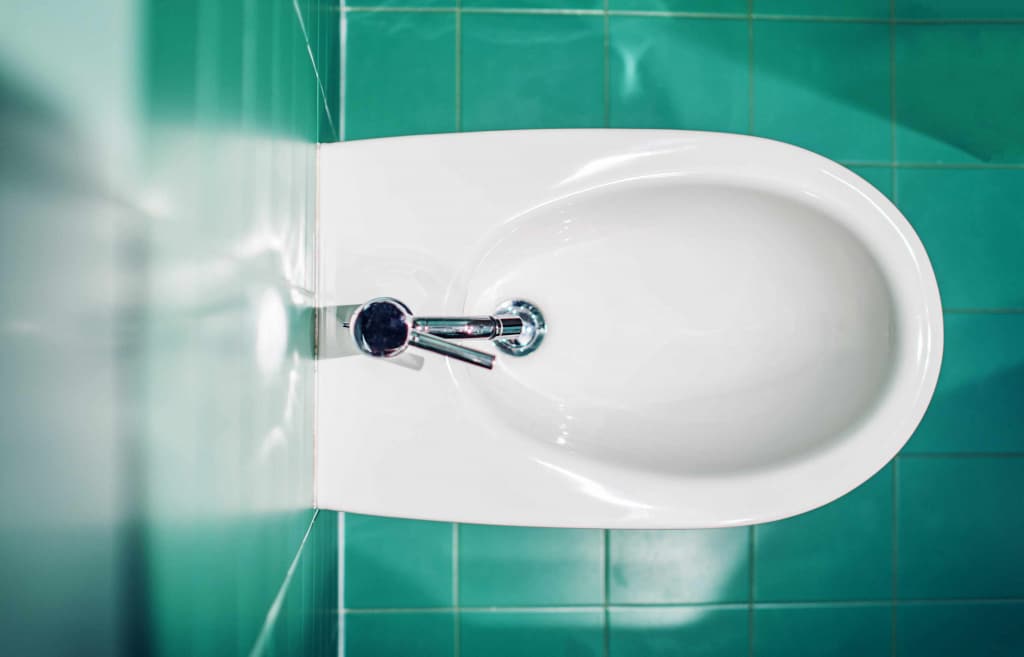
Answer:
(385, 328)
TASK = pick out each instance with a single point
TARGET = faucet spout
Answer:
(385, 327)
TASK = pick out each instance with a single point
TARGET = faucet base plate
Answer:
(534, 328)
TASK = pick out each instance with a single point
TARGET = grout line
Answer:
(893, 174)
(962, 455)
(895, 552)
(823, 604)
(751, 550)
(607, 588)
(607, 69)
(982, 311)
(458, 65)
(959, 166)
(796, 18)
(341, 584)
(342, 65)
(456, 615)
(750, 67)
(275, 607)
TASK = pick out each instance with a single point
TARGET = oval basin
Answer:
(693, 327)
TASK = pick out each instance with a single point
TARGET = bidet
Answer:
(741, 330)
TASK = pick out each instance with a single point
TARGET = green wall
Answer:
(923, 99)
(157, 217)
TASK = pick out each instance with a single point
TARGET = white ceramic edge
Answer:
(851, 464)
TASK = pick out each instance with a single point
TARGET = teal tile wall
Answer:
(921, 99)
(157, 195)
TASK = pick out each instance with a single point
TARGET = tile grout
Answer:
(960, 455)
(894, 172)
(894, 185)
(750, 67)
(796, 18)
(607, 68)
(606, 567)
(797, 604)
(960, 166)
(342, 64)
(895, 553)
(751, 549)
(752, 531)
(456, 617)
(458, 65)
(982, 311)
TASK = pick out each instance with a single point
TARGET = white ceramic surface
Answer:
(739, 330)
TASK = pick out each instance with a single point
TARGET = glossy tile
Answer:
(400, 634)
(822, 631)
(527, 566)
(684, 566)
(532, 71)
(946, 9)
(534, 633)
(879, 177)
(734, 7)
(678, 632)
(842, 551)
(392, 562)
(399, 74)
(824, 86)
(982, 629)
(961, 529)
(969, 222)
(689, 74)
(432, 4)
(307, 622)
(955, 107)
(836, 8)
(977, 403)
(534, 4)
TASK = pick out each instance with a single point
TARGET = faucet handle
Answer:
(384, 328)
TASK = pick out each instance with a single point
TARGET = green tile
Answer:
(391, 562)
(668, 632)
(822, 631)
(842, 551)
(970, 224)
(977, 406)
(534, 633)
(402, 3)
(978, 629)
(959, 8)
(532, 71)
(399, 73)
(959, 92)
(679, 73)
(824, 86)
(399, 634)
(534, 4)
(879, 177)
(525, 566)
(706, 565)
(738, 7)
(832, 8)
(961, 530)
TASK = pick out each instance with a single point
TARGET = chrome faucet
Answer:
(385, 328)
